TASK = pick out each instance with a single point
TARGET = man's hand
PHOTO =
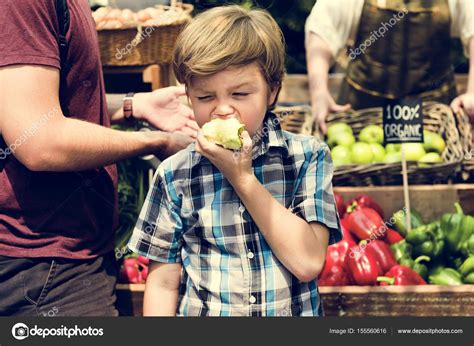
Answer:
(236, 166)
(322, 105)
(174, 143)
(465, 101)
(163, 110)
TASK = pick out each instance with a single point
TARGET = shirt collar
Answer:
(269, 136)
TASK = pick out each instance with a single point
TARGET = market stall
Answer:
(437, 274)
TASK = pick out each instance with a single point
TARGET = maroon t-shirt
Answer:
(42, 214)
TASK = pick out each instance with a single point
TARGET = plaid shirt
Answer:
(193, 216)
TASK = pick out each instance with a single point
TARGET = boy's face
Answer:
(239, 92)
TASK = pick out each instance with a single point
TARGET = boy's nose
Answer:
(223, 110)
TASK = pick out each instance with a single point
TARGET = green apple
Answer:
(393, 148)
(413, 151)
(344, 138)
(338, 128)
(341, 155)
(225, 133)
(361, 153)
(372, 134)
(430, 158)
(433, 142)
(379, 152)
(393, 157)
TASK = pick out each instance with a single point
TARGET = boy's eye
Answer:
(204, 98)
(240, 94)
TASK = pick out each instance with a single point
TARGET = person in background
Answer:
(401, 48)
(58, 186)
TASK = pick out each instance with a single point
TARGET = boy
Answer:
(245, 234)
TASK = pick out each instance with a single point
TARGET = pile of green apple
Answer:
(345, 150)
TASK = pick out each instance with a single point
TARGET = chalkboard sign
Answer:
(403, 121)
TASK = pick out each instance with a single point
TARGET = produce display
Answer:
(372, 253)
(134, 270)
(114, 18)
(368, 149)
(225, 133)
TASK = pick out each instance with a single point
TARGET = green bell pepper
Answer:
(446, 276)
(401, 250)
(467, 247)
(400, 223)
(458, 229)
(427, 240)
(467, 270)
(416, 265)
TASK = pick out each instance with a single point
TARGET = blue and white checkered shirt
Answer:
(193, 216)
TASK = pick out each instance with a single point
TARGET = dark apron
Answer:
(412, 59)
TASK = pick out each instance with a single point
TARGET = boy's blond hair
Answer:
(230, 36)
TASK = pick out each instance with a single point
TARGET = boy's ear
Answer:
(274, 92)
(187, 94)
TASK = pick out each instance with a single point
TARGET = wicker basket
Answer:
(296, 119)
(437, 118)
(466, 134)
(143, 45)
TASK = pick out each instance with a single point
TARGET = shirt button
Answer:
(252, 299)
(250, 255)
(241, 208)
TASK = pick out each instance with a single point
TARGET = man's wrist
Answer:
(139, 105)
(155, 141)
(127, 107)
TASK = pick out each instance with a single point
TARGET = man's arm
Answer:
(319, 60)
(59, 143)
(161, 290)
(466, 100)
(115, 107)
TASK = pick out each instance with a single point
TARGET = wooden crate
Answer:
(426, 300)
(352, 301)
(431, 201)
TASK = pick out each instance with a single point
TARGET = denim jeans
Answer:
(58, 287)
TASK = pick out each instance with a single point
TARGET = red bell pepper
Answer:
(365, 223)
(336, 256)
(143, 260)
(340, 205)
(381, 252)
(336, 277)
(364, 201)
(345, 232)
(392, 237)
(401, 276)
(362, 267)
(130, 274)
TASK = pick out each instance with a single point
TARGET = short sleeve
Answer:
(334, 21)
(159, 229)
(29, 33)
(314, 199)
(463, 22)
